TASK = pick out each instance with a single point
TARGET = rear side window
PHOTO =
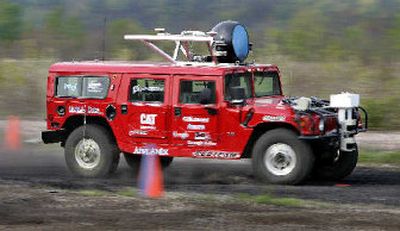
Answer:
(82, 87)
(194, 92)
(69, 86)
(147, 90)
(95, 87)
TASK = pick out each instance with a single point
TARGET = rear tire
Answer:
(134, 160)
(94, 154)
(338, 168)
(279, 157)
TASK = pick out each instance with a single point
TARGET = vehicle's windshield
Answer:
(82, 87)
(238, 80)
(266, 84)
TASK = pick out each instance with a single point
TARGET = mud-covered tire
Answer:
(101, 157)
(337, 169)
(278, 148)
(134, 161)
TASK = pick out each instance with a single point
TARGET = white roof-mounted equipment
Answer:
(227, 42)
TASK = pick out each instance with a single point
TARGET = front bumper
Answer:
(343, 135)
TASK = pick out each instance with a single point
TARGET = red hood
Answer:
(271, 109)
(268, 104)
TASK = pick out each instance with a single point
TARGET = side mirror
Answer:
(237, 95)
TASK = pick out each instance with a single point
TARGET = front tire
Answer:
(340, 166)
(90, 151)
(279, 157)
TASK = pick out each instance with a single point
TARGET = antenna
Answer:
(104, 39)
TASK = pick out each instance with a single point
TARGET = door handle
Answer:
(177, 111)
(124, 109)
(211, 111)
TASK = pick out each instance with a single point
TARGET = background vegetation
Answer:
(322, 47)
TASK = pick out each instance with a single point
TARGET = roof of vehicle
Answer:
(152, 68)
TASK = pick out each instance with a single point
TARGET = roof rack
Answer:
(182, 44)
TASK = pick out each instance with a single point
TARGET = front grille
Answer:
(350, 146)
(351, 127)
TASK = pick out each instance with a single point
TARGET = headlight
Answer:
(321, 125)
(61, 110)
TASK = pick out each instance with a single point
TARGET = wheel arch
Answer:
(262, 128)
(76, 121)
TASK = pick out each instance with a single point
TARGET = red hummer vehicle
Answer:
(210, 106)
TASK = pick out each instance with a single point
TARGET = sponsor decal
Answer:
(190, 119)
(77, 109)
(201, 136)
(70, 86)
(82, 110)
(151, 150)
(93, 110)
(147, 121)
(216, 154)
(182, 135)
(137, 89)
(201, 143)
(196, 127)
(94, 86)
(148, 127)
(273, 118)
(138, 132)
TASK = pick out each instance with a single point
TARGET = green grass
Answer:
(93, 192)
(127, 192)
(272, 200)
(379, 157)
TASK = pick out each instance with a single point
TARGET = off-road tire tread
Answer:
(305, 157)
(110, 151)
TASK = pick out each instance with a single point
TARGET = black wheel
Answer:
(134, 161)
(91, 152)
(338, 167)
(166, 161)
(279, 157)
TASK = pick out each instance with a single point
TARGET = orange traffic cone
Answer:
(151, 182)
(13, 134)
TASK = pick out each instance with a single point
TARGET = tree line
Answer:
(304, 30)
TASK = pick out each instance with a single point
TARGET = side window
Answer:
(238, 80)
(197, 92)
(95, 87)
(82, 86)
(266, 83)
(147, 90)
(68, 86)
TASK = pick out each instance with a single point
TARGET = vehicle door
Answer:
(144, 111)
(195, 111)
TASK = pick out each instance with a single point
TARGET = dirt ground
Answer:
(38, 193)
